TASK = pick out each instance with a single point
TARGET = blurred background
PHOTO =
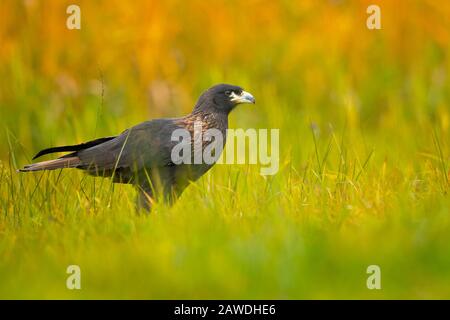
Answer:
(364, 148)
(313, 60)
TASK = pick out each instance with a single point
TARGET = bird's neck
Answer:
(208, 120)
(206, 106)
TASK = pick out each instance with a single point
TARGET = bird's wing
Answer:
(143, 146)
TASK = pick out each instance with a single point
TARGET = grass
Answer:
(308, 232)
(364, 153)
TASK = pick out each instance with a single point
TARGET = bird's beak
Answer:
(244, 97)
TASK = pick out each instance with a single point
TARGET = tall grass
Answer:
(364, 155)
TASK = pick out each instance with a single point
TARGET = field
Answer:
(364, 119)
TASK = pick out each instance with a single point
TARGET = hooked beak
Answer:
(244, 97)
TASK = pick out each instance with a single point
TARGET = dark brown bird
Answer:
(142, 155)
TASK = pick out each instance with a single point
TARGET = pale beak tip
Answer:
(248, 97)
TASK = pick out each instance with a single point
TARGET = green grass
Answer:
(308, 232)
(364, 150)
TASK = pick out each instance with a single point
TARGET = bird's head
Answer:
(223, 98)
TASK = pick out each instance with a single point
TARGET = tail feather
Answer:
(60, 163)
(75, 148)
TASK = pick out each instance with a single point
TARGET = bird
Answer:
(142, 155)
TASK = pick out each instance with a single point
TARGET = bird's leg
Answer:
(170, 195)
(144, 199)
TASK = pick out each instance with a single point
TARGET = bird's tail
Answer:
(61, 163)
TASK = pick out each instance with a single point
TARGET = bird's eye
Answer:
(228, 92)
